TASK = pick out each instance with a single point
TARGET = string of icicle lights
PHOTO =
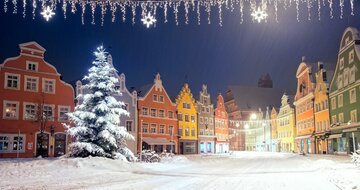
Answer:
(258, 8)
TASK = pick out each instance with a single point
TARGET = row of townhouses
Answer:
(322, 116)
(34, 101)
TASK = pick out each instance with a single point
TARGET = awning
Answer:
(157, 141)
(350, 130)
(335, 136)
(303, 137)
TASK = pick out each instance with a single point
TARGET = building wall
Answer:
(168, 120)
(286, 126)
(221, 126)
(26, 124)
(304, 109)
(345, 111)
(206, 122)
(274, 133)
(187, 120)
(237, 141)
(321, 109)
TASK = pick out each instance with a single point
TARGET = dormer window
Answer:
(351, 56)
(341, 63)
(31, 66)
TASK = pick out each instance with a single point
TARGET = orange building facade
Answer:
(304, 103)
(34, 102)
(157, 119)
(221, 127)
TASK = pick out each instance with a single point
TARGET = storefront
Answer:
(222, 147)
(305, 144)
(344, 141)
(207, 147)
(188, 147)
(158, 145)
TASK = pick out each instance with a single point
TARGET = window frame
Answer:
(31, 62)
(16, 112)
(44, 80)
(340, 103)
(53, 111)
(18, 80)
(11, 142)
(131, 126)
(25, 83)
(352, 98)
(24, 110)
(59, 112)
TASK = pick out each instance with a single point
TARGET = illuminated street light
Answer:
(253, 116)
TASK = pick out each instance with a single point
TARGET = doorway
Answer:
(42, 145)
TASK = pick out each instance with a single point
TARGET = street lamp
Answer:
(141, 136)
(253, 116)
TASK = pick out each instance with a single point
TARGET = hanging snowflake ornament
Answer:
(148, 20)
(47, 13)
(259, 15)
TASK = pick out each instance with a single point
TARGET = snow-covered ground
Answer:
(240, 170)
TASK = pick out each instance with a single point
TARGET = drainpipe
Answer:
(354, 145)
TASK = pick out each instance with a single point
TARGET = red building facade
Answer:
(157, 119)
(221, 127)
(33, 105)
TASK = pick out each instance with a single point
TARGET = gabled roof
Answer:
(32, 45)
(252, 98)
(143, 90)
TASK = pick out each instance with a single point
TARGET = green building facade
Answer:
(344, 98)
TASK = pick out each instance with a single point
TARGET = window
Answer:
(12, 143)
(211, 121)
(30, 111)
(346, 77)
(162, 129)
(153, 112)
(128, 126)
(170, 114)
(207, 110)
(48, 111)
(180, 132)
(333, 103)
(193, 118)
(11, 110)
(333, 119)
(341, 63)
(161, 98)
(31, 83)
(340, 82)
(63, 110)
(341, 117)
(184, 105)
(201, 120)
(186, 117)
(153, 128)
(180, 118)
(187, 132)
(340, 100)
(155, 97)
(352, 75)
(188, 106)
(49, 86)
(31, 66)
(145, 127)
(12, 81)
(161, 113)
(353, 115)
(352, 94)
(145, 111)
(170, 131)
(192, 132)
(351, 56)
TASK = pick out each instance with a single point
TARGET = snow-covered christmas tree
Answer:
(355, 157)
(96, 130)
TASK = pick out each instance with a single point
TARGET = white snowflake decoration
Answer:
(47, 13)
(148, 20)
(259, 14)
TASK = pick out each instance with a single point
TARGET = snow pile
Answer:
(175, 159)
(355, 157)
(149, 156)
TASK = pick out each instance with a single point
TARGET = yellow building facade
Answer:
(286, 126)
(322, 114)
(274, 134)
(187, 121)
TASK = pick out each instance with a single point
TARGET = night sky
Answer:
(218, 56)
